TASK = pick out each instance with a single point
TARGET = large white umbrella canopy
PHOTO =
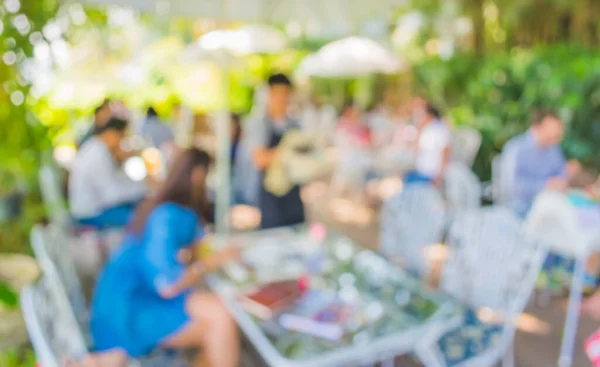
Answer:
(350, 57)
(251, 39)
(261, 10)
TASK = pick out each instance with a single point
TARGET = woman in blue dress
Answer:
(145, 297)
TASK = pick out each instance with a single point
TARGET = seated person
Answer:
(433, 147)
(101, 195)
(534, 161)
(581, 194)
(145, 297)
(102, 114)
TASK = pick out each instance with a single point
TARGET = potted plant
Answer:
(11, 196)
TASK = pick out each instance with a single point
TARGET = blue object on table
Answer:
(416, 177)
(580, 200)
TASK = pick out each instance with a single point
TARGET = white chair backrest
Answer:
(54, 201)
(50, 324)
(553, 221)
(52, 247)
(462, 188)
(409, 222)
(504, 168)
(492, 263)
(465, 145)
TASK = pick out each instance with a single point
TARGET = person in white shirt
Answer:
(433, 148)
(101, 195)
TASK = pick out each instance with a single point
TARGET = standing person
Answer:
(145, 297)
(159, 134)
(264, 135)
(433, 146)
(534, 161)
(102, 114)
(101, 195)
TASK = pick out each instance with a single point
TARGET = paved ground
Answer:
(538, 347)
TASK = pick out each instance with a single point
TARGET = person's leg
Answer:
(212, 329)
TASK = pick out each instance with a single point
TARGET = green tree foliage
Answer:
(496, 94)
(21, 135)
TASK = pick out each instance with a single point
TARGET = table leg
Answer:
(572, 320)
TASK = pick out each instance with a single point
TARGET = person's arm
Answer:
(113, 186)
(121, 155)
(443, 165)
(164, 269)
(263, 157)
(254, 138)
(443, 138)
(198, 269)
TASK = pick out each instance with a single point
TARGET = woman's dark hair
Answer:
(279, 79)
(114, 123)
(177, 188)
(433, 111)
(151, 112)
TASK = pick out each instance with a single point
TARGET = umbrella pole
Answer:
(223, 161)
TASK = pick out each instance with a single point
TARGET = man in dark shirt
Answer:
(264, 136)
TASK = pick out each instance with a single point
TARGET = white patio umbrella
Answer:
(350, 57)
(261, 10)
(251, 39)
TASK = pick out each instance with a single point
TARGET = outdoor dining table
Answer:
(397, 309)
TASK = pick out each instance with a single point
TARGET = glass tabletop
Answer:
(383, 305)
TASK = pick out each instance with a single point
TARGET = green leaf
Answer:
(8, 296)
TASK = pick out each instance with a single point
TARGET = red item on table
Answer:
(303, 284)
(592, 348)
(318, 232)
(267, 300)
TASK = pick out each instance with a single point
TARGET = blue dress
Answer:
(127, 310)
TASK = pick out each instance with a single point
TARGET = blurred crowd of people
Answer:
(151, 277)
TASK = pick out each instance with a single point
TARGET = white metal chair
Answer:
(465, 145)
(461, 187)
(553, 221)
(52, 248)
(54, 201)
(410, 222)
(64, 298)
(492, 269)
(50, 323)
